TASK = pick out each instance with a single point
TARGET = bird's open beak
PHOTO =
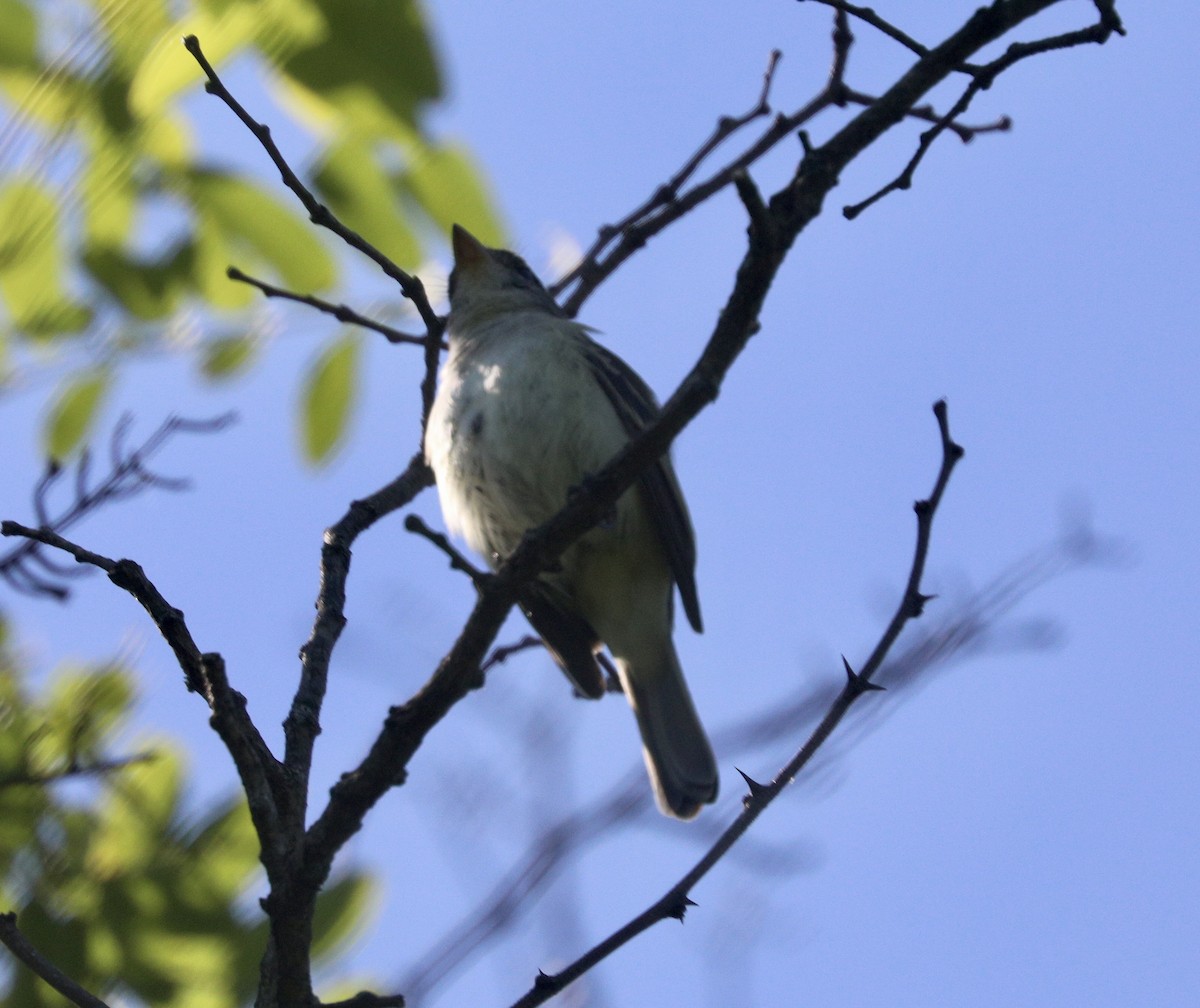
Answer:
(468, 250)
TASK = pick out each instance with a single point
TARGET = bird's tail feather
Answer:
(678, 756)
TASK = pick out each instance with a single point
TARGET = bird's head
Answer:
(487, 282)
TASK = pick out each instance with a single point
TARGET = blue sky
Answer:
(1021, 830)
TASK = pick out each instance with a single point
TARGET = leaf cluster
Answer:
(103, 862)
(122, 219)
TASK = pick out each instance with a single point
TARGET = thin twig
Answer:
(669, 190)
(128, 475)
(868, 16)
(341, 312)
(99, 768)
(410, 284)
(982, 78)
(960, 633)
(657, 214)
(23, 949)
(414, 523)
(966, 133)
(318, 213)
(204, 674)
(502, 654)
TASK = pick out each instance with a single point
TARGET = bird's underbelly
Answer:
(514, 459)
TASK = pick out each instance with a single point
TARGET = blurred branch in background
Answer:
(972, 624)
(65, 495)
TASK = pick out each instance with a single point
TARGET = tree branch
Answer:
(410, 284)
(129, 474)
(341, 312)
(674, 902)
(203, 674)
(23, 949)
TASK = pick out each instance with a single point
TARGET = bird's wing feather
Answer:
(636, 406)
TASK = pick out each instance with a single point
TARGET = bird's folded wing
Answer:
(636, 406)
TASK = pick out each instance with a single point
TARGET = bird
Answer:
(529, 405)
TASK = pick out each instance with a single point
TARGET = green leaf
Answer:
(32, 262)
(85, 706)
(147, 289)
(349, 178)
(340, 912)
(375, 54)
(450, 189)
(330, 388)
(18, 40)
(168, 69)
(73, 413)
(253, 219)
(224, 850)
(226, 356)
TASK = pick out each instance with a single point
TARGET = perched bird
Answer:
(528, 406)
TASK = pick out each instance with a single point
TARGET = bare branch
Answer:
(458, 562)
(674, 903)
(982, 78)
(129, 475)
(657, 213)
(726, 127)
(203, 674)
(23, 949)
(966, 133)
(341, 312)
(320, 215)
(410, 284)
(365, 999)
(965, 631)
(868, 16)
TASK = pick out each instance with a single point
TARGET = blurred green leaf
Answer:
(108, 188)
(227, 356)
(84, 706)
(350, 179)
(147, 289)
(251, 217)
(137, 897)
(330, 389)
(450, 189)
(73, 413)
(357, 64)
(32, 261)
(138, 223)
(167, 69)
(225, 850)
(18, 40)
(341, 909)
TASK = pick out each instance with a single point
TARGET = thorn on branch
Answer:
(858, 683)
(547, 982)
(917, 603)
(677, 907)
(756, 790)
